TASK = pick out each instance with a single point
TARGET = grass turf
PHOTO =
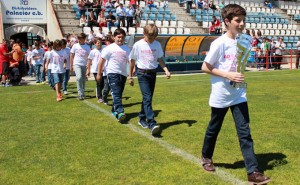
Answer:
(46, 142)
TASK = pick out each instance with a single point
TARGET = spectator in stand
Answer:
(279, 47)
(298, 53)
(248, 32)
(255, 41)
(110, 20)
(88, 3)
(82, 21)
(253, 33)
(18, 56)
(101, 19)
(108, 5)
(129, 16)
(189, 4)
(81, 7)
(258, 33)
(268, 4)
(101, 34)
(212, 6)
(205, 5)
(4, 62)
(138, 15)
(221, 5)
(92, 20)
(217, 25)
(212, 28)
(121, 14)
(117, 4)
(200, 4)
(165, 4)
(133, 3)
(151, 4)
(97, 6)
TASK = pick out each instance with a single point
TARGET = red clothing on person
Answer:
(3, 49)
(217, 23)
(132, 1)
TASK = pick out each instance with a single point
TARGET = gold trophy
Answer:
(243, 52)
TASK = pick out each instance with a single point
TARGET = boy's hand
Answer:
(235, 77)
(131, 82)
(98, 78)
(168, 75)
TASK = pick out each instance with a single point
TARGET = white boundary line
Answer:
(172, 149)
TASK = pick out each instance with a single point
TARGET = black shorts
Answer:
(5, 67)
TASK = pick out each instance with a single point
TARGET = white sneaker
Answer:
(65, 92)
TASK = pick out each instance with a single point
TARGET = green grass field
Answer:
(78, 142)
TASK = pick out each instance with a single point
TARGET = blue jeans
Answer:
(117, 85)
(66, 80)
(58, 78)
(80, 72)
(241, 118)
(39, 73)
(31, 69)
(50, 79)
(110, 24)
(106, 89)
(147, 85)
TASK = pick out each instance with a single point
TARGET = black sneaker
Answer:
(154, 130)
(121, 117)
(143, 123)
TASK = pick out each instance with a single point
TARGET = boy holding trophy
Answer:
(225, 62)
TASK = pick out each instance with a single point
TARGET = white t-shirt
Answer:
(95, 56)
(46, 57)
(67, 50)
(146, 54)
(39, 53)
(57, 59)
(222, 56)
(28, 55)
(81, 54)
(117, 58)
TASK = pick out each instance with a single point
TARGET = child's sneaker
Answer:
(121, 117)
(155, 130)
(65, 92)
(105, 102)
(115, 114)
(100, 100)
(143, 123)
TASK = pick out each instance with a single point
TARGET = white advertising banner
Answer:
(24, 11)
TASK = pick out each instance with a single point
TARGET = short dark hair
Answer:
(81, 35)
(57, 43)
(119, 31)
(50, 44)
(64, 41)
(232, 10)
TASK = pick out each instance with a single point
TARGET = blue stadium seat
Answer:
(161, 10)
(153, 10)
(167, 17)
(173, 17)
(291, 39)
(192, 12)
(145, 16)
(210, 12)
(272, 21)
(251, 20)
(146, 10)
(198, 18)
(167, 11)
(198, 12)
(205, 18)
(152, 17)
(294, 46)
(296, 39)
(285, 39)
(160, 17)
(204, 12)
(286, 21)
(288, 46)
(77, 16)
(75, 7)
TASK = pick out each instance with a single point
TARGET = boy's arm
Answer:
(232, 76)
(131, 68)
(100, 69)
(47, 64)
(71, 61)
(164, 67)
(88, 67)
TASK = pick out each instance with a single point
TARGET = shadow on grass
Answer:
(164, 126)
(131, 104)
(129, 116)
(267, 161)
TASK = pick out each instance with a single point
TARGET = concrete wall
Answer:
(53, 28)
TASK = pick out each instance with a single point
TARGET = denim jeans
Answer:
(117, 85)
(106, 89)
(241, 118)
(99, 87)
(66, 80)
(50, 79)
(38, 68)
(147, 85)
(80, 72)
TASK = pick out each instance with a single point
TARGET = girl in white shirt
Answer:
(58, 59)
(48, 65)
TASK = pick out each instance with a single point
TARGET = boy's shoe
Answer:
(37, 83)
(207, 164)
(65, 92)
(43, 83)
(100, 100)
(258, 178)
(58, 98)
(115, 114)
(121, 117)
(80, 97)
(154, 130)
(8, 85)
(105, 102)
(143, 123)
